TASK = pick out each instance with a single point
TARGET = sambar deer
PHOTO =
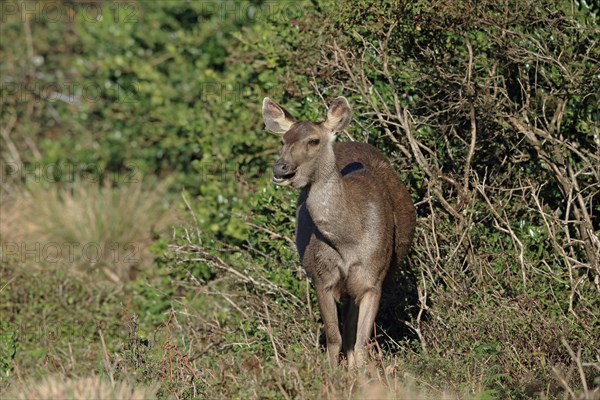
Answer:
(354, 220)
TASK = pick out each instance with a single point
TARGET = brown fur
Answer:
(355, 220)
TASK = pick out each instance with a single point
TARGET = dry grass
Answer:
(13, 226)
(83, 388)
(256, 339)
(103, 227)
(400, 390)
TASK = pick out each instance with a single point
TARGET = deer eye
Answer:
(281, 142)
(314, 142)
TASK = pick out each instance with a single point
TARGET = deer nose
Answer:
(282, 168)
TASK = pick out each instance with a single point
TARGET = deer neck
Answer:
(326, 193)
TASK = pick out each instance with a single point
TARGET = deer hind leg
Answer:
(367, 311)
(350, 323)
(328, 308)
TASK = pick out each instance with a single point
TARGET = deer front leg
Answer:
(349, 334)
(367, 311)
(328, 309)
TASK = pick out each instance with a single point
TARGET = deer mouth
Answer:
(284, 180)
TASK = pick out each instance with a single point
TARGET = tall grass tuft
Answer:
(107, 228)
(83, 388)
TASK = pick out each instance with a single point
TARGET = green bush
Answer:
(490, 110)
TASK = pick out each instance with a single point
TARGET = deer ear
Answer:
(277, 119)
(339, 115)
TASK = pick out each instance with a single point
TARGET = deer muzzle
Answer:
(283, 172)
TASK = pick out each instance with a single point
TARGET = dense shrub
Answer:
(146, 89)
(491, 111)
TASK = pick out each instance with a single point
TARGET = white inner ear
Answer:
(331, 123)
(338, 116)
(276, 119)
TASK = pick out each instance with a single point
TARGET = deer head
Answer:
(306, 145)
